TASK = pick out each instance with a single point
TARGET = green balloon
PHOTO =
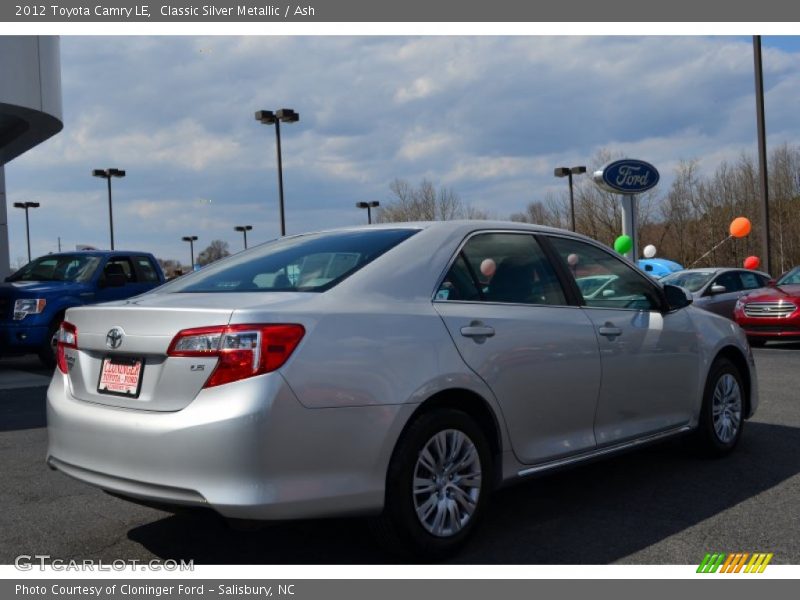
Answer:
(623, 244)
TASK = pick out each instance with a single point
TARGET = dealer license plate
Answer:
(121, 376)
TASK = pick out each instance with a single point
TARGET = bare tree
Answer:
(425, 203)
(216, 249)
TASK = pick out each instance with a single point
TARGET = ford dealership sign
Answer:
(627, 176)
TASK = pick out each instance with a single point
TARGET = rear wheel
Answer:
(756, 342)
(437, 486)
(722, 413)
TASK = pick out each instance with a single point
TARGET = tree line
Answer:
(683, 221)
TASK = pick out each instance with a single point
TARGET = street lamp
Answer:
(369, 206)
(26, 206)
(569, 172)
(107, 174)
(191, 239)
(267, 117)
(244, 229)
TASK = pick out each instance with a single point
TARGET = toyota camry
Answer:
(402, 371)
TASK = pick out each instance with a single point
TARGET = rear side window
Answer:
(307, 263)
(146, 270)
(751, 281)
(505, 268)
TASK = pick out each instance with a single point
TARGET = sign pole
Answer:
(629, 225)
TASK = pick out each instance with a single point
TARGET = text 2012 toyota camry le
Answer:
(400, 370)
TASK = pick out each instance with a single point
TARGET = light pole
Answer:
(762, 156)
(107, 174)
(569, 172)
(268, 117)
(369, 206)
(26, 206)
(191, 239)
(244, 229)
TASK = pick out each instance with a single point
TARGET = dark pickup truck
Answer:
(33, 300)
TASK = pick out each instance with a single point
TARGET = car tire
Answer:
(722, 413)
(431, 522)
(756, 342)
(47, 351)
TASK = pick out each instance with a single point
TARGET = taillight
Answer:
(243, 350)
(67, 338)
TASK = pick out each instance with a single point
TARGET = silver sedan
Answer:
(402, 371)
(718, 289)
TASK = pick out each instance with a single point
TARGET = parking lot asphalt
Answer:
(661, 505)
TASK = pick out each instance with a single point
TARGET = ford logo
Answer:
(627, 176)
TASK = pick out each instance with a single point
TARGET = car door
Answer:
(650, 359)
(722, 303)
(508, 315)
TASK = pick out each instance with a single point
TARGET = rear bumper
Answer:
(248, 450)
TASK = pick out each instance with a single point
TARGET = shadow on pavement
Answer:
(23, 408)
(595, 514)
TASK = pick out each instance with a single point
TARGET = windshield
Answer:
(692, 281)
(61, 267)
(307, 263)
(791, 278)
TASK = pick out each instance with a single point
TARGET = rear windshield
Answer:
(307, 263)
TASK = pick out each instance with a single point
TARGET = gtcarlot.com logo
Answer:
(737, 562)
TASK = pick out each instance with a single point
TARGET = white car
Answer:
(403, 371)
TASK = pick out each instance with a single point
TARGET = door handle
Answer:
(609, 331)
(477, 331)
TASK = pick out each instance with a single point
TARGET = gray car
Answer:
(718, 289)
(403, 371)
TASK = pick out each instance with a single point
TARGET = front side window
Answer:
(730, 281)
(502, 267)
(120, 265)
(603, 280)
(306, 263)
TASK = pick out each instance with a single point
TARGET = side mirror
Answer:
(718, 289)
(677, 297)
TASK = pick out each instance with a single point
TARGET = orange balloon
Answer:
(752, 262)
(740, 227)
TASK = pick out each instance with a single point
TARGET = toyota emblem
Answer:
(114, 338)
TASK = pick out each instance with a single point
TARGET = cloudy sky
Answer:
(486, 116)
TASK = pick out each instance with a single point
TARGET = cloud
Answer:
(488, 116)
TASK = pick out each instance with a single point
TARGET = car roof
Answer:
(97, 253)
(713, 270)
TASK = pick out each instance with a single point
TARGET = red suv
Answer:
(772, 313)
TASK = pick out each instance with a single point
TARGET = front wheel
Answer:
(47, 351)
(722, 413)
(437, 486)
(756, 342)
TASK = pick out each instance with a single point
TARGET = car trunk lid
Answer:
(146, 325)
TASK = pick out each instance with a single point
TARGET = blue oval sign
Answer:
(628, 176)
